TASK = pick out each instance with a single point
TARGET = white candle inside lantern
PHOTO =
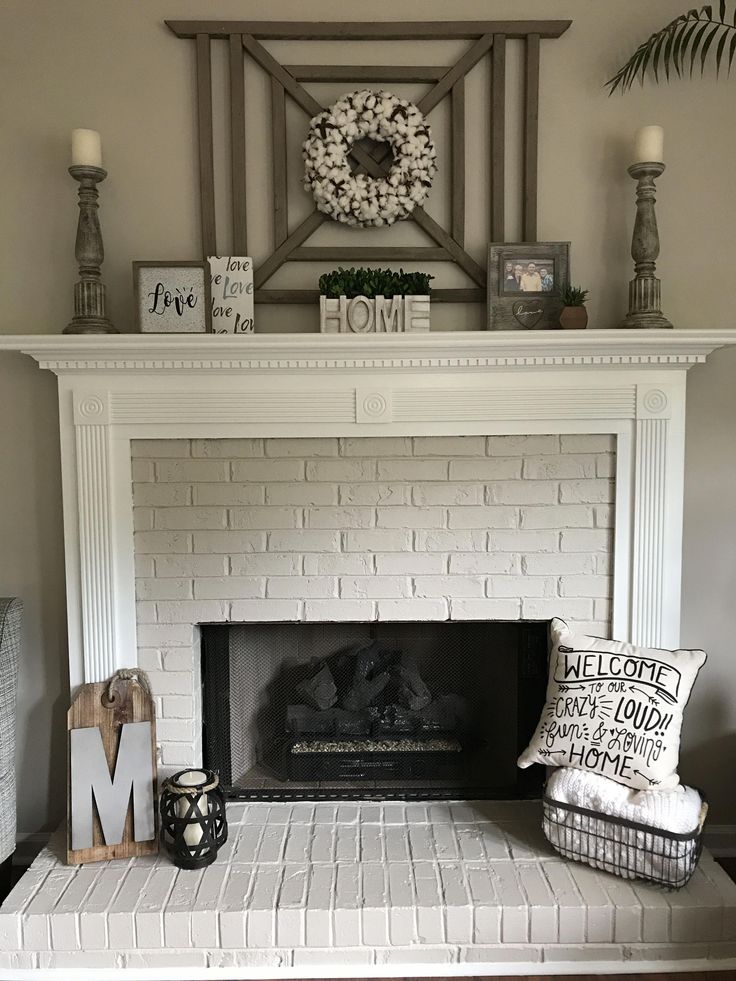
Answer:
(649, 145)
(86, 148)
(192, 778)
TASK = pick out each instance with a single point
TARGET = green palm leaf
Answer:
(690, 34)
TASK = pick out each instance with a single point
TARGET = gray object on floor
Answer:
(11, 613)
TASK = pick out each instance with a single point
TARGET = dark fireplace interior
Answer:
(296, 711)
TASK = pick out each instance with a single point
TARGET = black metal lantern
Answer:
(193, 822)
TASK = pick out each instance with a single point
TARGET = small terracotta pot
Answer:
(574, 318)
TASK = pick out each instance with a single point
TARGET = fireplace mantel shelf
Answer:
(442, 349)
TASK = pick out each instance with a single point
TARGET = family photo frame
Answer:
(524, 284)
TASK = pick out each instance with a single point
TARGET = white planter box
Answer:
(381, 315)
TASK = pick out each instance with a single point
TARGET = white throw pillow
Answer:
(613, 708)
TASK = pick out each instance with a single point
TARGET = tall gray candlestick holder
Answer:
(645, 288)
(89, 291)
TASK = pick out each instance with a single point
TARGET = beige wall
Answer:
(113, 66)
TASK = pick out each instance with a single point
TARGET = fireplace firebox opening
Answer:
(389, 710)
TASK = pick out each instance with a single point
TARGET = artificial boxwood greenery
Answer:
(373, 282)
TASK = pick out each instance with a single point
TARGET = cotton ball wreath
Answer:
(357, 199)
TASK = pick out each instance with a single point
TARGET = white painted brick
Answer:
(190, 518)
(343, 610)
(149, 659)
(162, 495)
(374, 494)
(171, 589)
(410, 517)
(585, 540)
(449, 446)
(604, 516)
(144, 566)
(230, 541)
(522, 492)
(142, 471)
(304, 447)
(602, 608)
(591, 586)
(378, 540)
(603, 565)
(374, 587)
(449, 586)
(416, 955)
(301, 587)
(223, 449)
(190, 566)
(450, 541)
(523, 445)
(189, 471)
(193, 611)
(495, 468)
(175, 730)
(588, 443)
(410, 563)
(339, 517)
(586, 491)
(143, 519)
(486, 908)
(546, 609)
(542, 908)
(485, 609)
(412, 470)
(484, 563)
(148, 919)
(252, 611)
(483, 517)
(171, 682)
(558, 565)
(302, 493)
(178, 754)
(524, 541)
(154, 449)
(331, 564)
(265, 519)
(145, 612)
(177, 706)
(230, 587)
(309, 540)
(518, 586)
(458, 904)
(378, 446)
(605, 466)
(559, 516)
(341, 471)
(558, 467)
(412, 609)
(157, 635)
(263, 471)
(266, 564)
(446, 493)
(227, 493)
(148, 542)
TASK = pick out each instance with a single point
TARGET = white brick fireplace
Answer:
(298, 477)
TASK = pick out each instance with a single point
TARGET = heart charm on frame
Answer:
(528, 312)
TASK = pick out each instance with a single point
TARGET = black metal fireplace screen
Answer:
(373, 710)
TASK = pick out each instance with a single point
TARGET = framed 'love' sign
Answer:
(172, 297)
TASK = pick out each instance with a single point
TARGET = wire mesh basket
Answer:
(625, 848)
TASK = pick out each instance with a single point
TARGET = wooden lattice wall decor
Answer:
(487, 39)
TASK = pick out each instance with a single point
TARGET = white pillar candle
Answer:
(193, 833)
(86, 148)
(649, 145)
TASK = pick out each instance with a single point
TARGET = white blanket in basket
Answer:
(617, 849)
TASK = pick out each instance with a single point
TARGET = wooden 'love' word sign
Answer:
(112, 772)
(231, 289)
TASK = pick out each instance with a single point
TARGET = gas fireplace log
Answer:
(366, 685)
(412, 691)
(302, 720)
(319, 691)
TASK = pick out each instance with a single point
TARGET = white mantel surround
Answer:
(472, 888)
(113, 389)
